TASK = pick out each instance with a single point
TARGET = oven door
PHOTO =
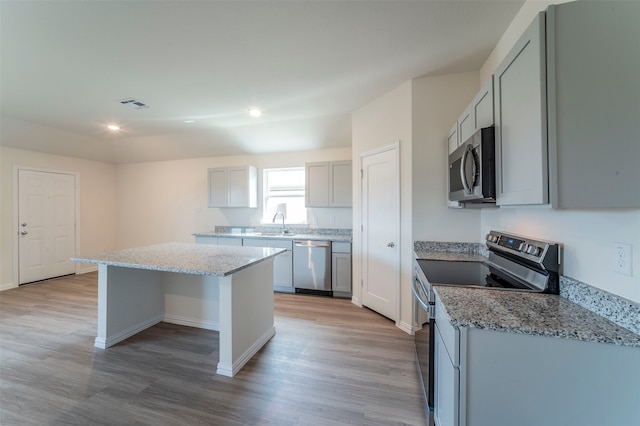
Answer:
(423, 342)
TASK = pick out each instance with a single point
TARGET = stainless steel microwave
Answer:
(472, 169)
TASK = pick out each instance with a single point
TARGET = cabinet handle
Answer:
(391, 245)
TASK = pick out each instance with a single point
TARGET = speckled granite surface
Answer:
(530, 313)
(621, 311)
(322, 234)
(199, 259)
(437, 250)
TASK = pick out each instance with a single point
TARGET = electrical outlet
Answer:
(622, 258)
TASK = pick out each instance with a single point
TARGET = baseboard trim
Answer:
(406, 327)
(7, 286)
(103, 343)
(192, 322)
(231, 370)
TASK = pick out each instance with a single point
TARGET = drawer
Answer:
(450, 334)
(265, 242)
(340, 247)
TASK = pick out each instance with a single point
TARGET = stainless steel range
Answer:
(515, 263)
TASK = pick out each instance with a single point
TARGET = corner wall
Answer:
(383, 122)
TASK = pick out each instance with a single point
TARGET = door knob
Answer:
(23, 224)
(24, 233)
(391, 245)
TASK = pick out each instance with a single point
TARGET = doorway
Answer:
(46, 224)
(380, 210)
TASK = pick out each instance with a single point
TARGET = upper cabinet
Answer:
(567, 109)
(478, 114)
(233, 186)
(521, 131)
(328, 184)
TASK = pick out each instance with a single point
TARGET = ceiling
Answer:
(65, 66)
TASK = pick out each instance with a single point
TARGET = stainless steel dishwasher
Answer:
(312, 266)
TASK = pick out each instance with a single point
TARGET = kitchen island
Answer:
(228, 289)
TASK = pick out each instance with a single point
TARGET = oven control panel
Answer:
(541, 252)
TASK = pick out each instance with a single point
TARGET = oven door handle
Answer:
(418, 292)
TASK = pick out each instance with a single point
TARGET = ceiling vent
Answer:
(134, 103)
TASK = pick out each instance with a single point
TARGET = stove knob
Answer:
(532, 250)
(522, 247)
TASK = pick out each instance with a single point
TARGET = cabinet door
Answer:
(242, 186)
(206, 240)
(452, 139)
(283, 270)
(238, 187)
(218, 196)
(447, 379)
(482, 106)
(341, 272)
(521, 120)
(466, 126)
(317, 184)
(229, 241)
(340, 184)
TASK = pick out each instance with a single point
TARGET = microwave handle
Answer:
(463, 165)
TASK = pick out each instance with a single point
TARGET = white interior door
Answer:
(46, 214)
(380, 232)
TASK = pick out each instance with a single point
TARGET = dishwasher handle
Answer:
(311, 243)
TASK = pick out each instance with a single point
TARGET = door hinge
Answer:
(361, 228)
(361, 173)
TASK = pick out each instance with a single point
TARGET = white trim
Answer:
(102, 343)
(7, 286)
(396, 148)
(16, 216)
(192, 322)
(225, 369)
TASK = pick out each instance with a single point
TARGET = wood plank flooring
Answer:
(330, 363)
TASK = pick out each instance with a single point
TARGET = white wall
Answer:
(167, 201)
(97, 226)
(587, 235)
(383, 122)
(437, 103)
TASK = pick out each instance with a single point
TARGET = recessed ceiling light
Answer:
(255, 112)
(113, 127)
(189, 121)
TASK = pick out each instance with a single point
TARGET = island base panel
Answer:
(129, 301)
(246, 315)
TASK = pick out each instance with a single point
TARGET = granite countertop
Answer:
(457, 252)
(198, 259)
(529, 313)
(279, 236)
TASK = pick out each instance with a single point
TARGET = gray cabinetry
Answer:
(328, 184)
(201, 239)
(229, 241)
(233, 186)
(567, 109)
(478, 114)
(499, 378)
(341, 269)
(521, 133)
(282, 264)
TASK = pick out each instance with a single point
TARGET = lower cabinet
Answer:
(341, 269)
(201, 239)
(282, 264)
(486, 377)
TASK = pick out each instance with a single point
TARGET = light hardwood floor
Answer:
(330, 363)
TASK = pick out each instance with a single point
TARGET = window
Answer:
(284, 186)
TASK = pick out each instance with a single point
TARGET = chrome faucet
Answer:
(274, 220)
